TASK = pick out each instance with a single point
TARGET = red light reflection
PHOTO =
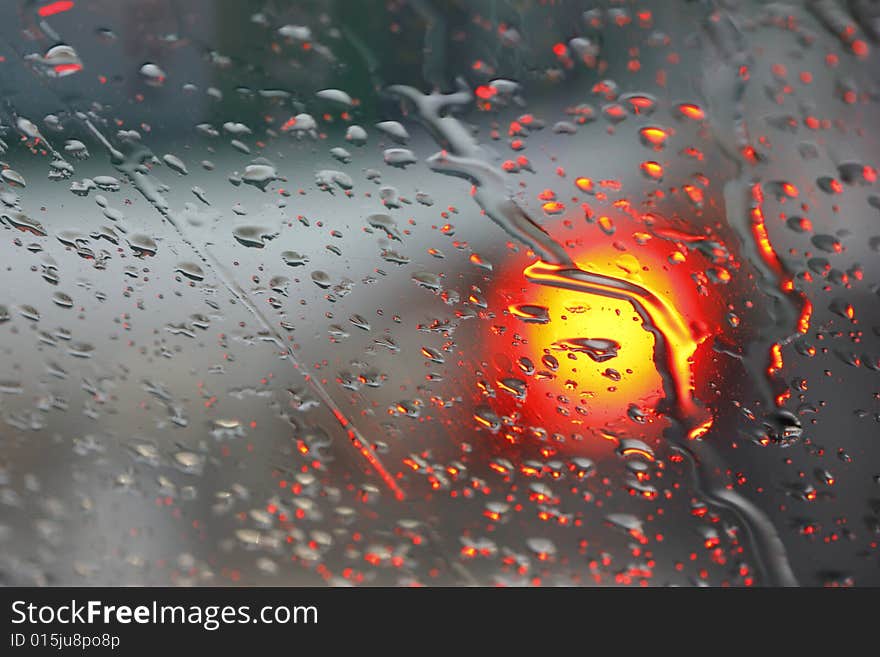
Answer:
(590, 393)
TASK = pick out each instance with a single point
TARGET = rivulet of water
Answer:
(674, 346)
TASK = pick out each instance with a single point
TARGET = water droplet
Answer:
(175, 163)
(531, 313)
(394, 130)
(598, 349)
(259, 175)
(152, 75)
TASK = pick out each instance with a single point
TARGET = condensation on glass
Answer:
(439, 293)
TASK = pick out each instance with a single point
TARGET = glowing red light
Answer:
(55, 8)
(692, 111)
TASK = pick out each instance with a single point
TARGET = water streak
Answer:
(673, 343)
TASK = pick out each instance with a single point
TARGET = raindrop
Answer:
(259, 175)
(356, 135)
(191, 270)
(399, 157)
(394, 130)
(335, 96)
(531, 313)
(152, 75)
(143, 245)
(253, 236)
(294, 259)
(599, 349)
(175, 163)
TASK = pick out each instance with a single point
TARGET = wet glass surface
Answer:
(450, 293)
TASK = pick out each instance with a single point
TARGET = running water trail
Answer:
(673, 343)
